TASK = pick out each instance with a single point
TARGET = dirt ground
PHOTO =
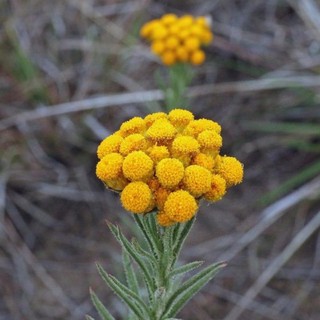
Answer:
(72, 71)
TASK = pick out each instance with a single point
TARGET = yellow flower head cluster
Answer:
(167, 162)
(178, 39)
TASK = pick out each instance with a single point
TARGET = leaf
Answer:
(132, 300)
(149, 238)
(179, 271)
(89, 318)
(129, 272)
(141, 263)
(179, 236)
(190, 287)
(102, 310)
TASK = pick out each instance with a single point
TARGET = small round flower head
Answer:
(180, 117)
(180, 206)
(184, 145)
(169, 172)
(217, 190)
(109, 145)
(197, 57)
(117, 184)
(152, 117)
(133, 142)
(197, 180)
(137, 166)
(176, 39)
(137, 197)
(161, 195)
(197, 126)
(109, 167)
(164, 220)
(134, 125)
(204, 160)
(231, 170)
(161, 131)
(209, 139)
(157, 153)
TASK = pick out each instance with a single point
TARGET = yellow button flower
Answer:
(217, 190)
(180, 117)
(158, 47)
(133, 142)
(192, 43)
(171, 43)
(137, 197)
(152, 117)
(134, 125)
(197, 180)
(180, 206)
(197, 126)
(168, 58)
(109, 167)
(169, 172)
(117, 184)
(109, 145)
(161, 131)
(164, 220)
(169, 19)
(204, 160)
(185, 145)
(161, 194)
(197, 57)
(157, 153)
(231, 170)
(209, 139)
(137, 166)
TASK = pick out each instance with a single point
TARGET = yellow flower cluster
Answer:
(178, 39)
(167, 162)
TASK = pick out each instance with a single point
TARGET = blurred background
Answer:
(72, 71)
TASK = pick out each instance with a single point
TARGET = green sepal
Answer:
(102, 310)
(129, 272)
(132, 300)
(190, 287)
(179, 271)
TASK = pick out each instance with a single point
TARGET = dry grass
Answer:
(72, 71)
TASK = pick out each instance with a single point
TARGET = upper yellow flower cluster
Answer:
(169, 162)
(178, 39)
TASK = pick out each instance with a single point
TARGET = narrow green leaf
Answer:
(140, 262)
(179, 271)
(149, 238)
(89, 318)
(149, 257)
(129, 272)
(180, 235)
(190, 287)
(102, 310)
(132, 300)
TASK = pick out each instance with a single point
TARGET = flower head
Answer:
(167, 161)
(169, 172)
(161, 131)
(178, 39)
(109, 145)
(137, 197)
(197, 180)
(231, 170)
(180, 206)
(137, 166)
